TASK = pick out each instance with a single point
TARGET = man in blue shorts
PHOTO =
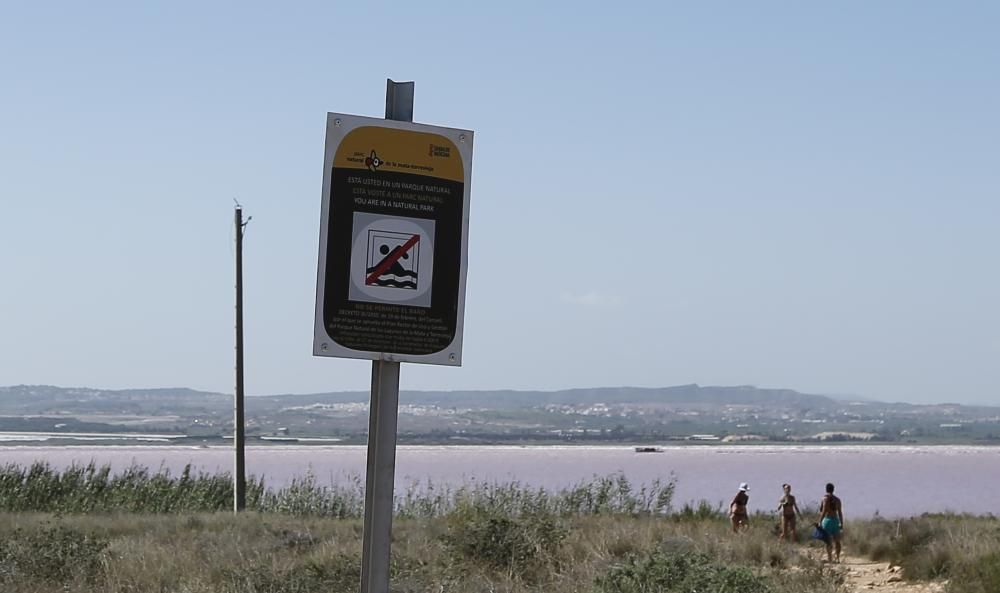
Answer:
(831, 519)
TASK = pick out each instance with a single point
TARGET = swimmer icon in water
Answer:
(395, 275)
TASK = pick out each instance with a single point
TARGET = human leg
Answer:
(832, 526)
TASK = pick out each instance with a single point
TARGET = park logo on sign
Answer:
(373, 162)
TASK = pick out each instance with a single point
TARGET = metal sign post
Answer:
(382, 416)
(390, 287)
(381, 471)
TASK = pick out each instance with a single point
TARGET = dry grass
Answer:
(60, 532)
(258, 553)
(962, 548)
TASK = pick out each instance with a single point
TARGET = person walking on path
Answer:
(789, 511)
(738, 509)
(831, 520)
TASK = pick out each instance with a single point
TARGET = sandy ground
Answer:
(862, 575)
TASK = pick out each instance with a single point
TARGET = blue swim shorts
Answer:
(831, 525)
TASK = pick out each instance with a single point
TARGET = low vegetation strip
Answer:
(472, 549)
(88, 530)
(136, 489)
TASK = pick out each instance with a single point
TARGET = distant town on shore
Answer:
(620, 415)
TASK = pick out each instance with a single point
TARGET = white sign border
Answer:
(338, 125)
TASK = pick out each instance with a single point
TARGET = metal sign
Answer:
(393, 241)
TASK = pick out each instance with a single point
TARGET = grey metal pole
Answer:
(379, 478)
(382, 416)
(399, 100)
(239, 469)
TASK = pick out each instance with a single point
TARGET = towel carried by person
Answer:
(820, 533)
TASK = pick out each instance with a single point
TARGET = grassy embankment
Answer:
(86, 530)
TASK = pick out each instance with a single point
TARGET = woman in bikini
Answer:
(789, 510)
(738, 509)
(831, 519)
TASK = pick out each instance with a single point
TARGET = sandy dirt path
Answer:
(863, 576)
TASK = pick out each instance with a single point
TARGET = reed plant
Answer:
(90, 488)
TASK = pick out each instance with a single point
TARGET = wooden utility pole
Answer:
(239, 469)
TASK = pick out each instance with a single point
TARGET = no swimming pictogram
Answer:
(392, 260)
(390, 271)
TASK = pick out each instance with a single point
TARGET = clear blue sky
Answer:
(782, 194)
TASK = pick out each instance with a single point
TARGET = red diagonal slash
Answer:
(391, 259)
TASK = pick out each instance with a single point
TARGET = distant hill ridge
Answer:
(44, 399)
(36, 398)
(51, 391)
(490, 416)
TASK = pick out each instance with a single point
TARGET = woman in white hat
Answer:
(738, 509)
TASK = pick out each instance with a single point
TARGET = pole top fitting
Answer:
(398, 100)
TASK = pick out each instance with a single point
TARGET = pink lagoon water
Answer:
(889, 480)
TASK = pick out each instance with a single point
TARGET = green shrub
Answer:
(933, 560)
(51, 555)
(665, 572)
(91, 488)
(515, 544)
(306, 497)
(981, 575)
(701, 511)
(339, 572)
(927, 547)
(614, 494)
